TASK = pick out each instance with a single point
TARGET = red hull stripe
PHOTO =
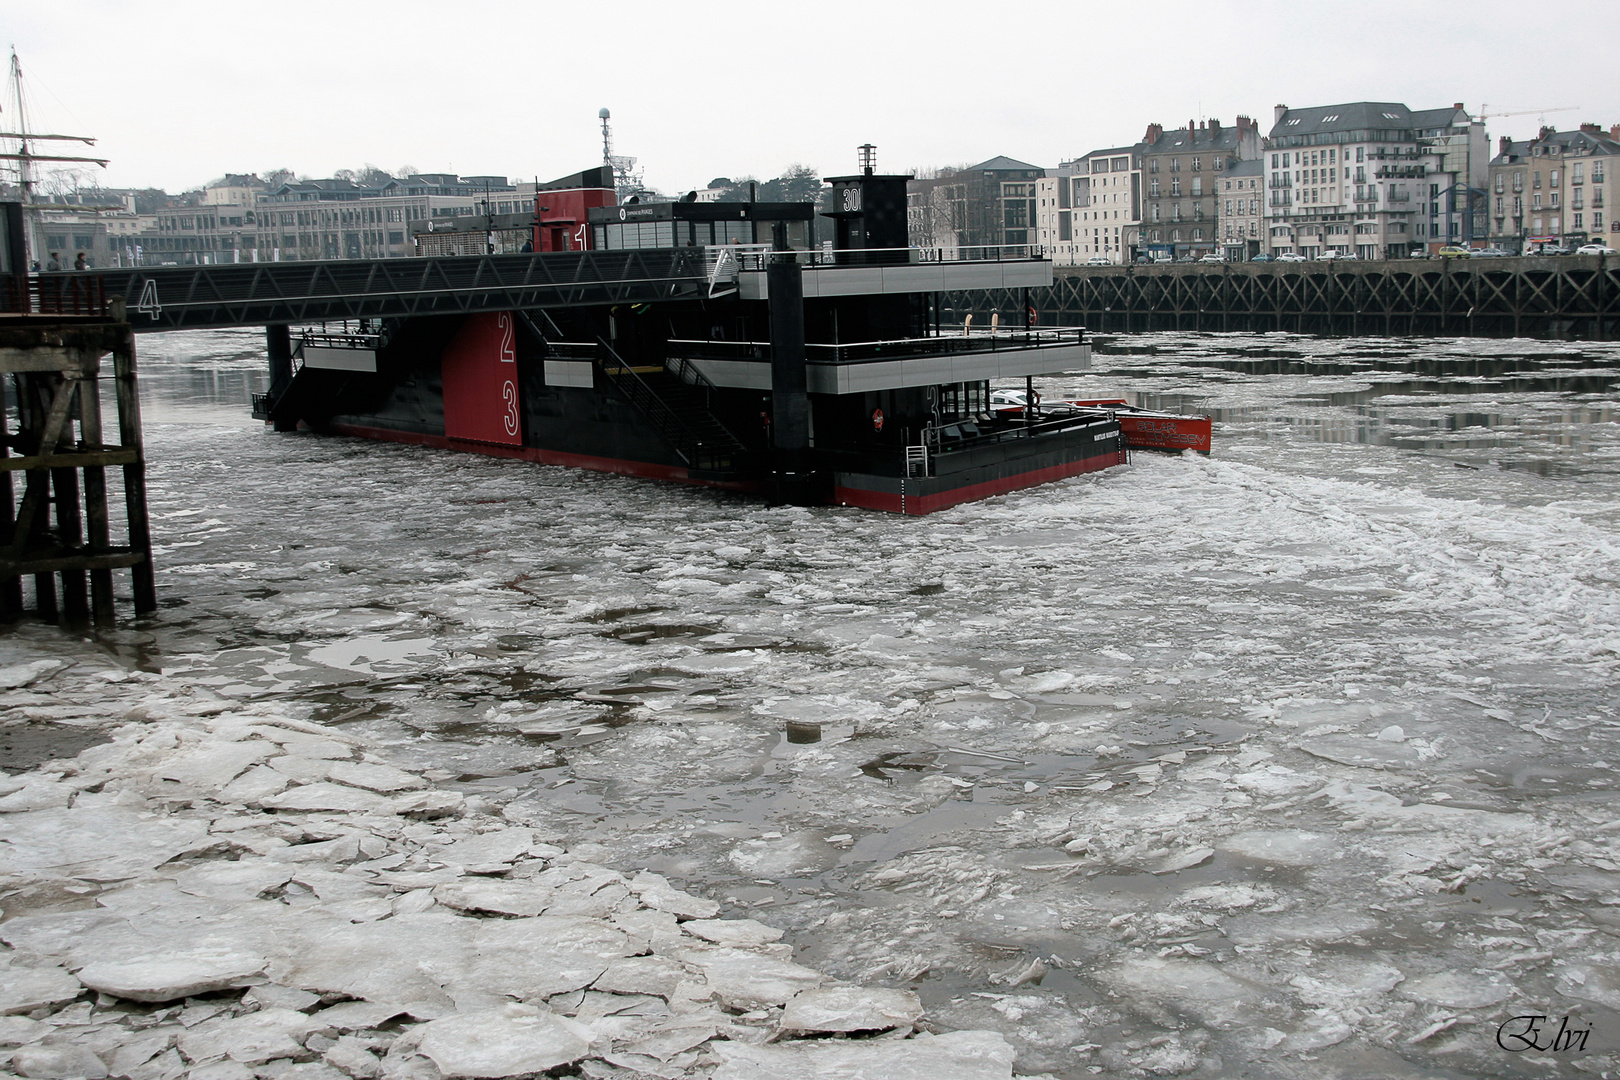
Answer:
(618, 466)
(927, 504)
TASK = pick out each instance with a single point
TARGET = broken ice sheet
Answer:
(960, 1055)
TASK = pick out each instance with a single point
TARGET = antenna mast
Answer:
(626, 177)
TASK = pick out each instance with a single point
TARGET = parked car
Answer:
(1551, 249)
(1341, 256)
(1594, 249)
(1009, 401)
(1098, 260)
(1487, 253)
(1262, 257)
(1418, 253)
(1290, 256)
(1452, 251)
(1212, 258)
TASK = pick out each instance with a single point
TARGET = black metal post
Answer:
(278, 343)
(790, 402)
(14, 246)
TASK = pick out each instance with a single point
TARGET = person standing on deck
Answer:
(81, 263)
(54, 262)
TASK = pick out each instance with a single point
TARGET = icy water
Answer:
(1295, 759)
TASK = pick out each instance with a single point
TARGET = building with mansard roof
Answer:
(1373, 179)
(1557, 189)
(1183, 168)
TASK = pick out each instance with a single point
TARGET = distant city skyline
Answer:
(181, 93)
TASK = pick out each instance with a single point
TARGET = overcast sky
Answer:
(181, 92)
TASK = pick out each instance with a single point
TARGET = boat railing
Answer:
(967, 435)
(724, 262)
(947, 344)
(938, 442)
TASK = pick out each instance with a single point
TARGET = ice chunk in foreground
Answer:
(24, 989)
(513, 1040)
(60, 1062)
(747, 979)
(167, 978)
(1291, 847)
(1459, 989)
(743, 933)
(656, 892)
(851, 1008)
(958, 1055)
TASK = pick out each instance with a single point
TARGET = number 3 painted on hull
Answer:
(509, 394)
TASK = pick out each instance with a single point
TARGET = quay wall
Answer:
(1565, 297)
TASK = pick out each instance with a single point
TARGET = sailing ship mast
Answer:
(25, 157)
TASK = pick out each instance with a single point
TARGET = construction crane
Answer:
(1483, 115)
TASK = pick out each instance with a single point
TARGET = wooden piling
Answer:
(60, 531)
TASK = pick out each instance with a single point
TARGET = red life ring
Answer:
(1034, 397)
(877, 419)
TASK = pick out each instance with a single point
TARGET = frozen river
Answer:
(1298, 758)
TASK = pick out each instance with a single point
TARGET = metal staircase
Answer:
(675, 401)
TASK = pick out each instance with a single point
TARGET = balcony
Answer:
(878, 271)
(886, 365)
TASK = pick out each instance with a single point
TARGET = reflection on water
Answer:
(212, 373)
(1547, 408)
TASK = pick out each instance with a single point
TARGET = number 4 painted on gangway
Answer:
(149, 300)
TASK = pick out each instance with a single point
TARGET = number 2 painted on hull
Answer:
(508, 355)
(508, 338)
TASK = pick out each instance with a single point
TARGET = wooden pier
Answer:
(57, 530)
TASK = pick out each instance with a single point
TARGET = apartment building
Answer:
(991, 204)
(323, 219)
(1373, 179)
(1059, 197)
(1240, 217)
(1109, 224)
(1183, 169)
(1557, 188)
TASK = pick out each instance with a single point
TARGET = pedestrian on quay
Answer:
(54, 262)
(81, 263)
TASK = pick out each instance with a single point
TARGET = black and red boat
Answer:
(810, 372)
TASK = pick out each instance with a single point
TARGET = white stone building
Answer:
(1109, 224)
(1374, 179)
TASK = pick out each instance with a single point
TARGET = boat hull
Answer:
(1146, 430)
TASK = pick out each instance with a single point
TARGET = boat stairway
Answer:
(708, 447)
